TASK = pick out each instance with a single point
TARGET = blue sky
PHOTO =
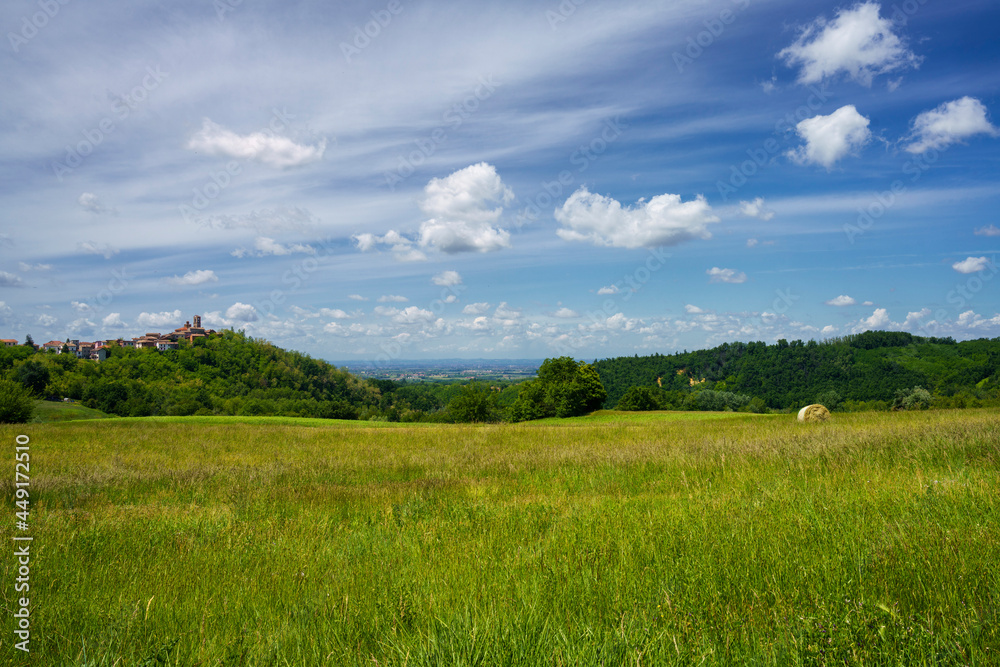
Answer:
(417, 179)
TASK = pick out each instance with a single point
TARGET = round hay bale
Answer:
(814, 413)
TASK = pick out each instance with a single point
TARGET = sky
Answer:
(416, 179)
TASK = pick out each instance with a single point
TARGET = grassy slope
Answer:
(50, 411)
(871, 539)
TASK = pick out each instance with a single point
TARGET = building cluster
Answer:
(97, 350)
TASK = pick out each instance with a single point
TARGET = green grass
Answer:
(617, 539)
(50, 411)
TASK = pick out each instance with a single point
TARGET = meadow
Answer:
(614, 539)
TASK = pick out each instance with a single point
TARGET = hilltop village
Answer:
(97, 350)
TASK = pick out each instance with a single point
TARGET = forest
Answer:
(870, 370)
(234, 374)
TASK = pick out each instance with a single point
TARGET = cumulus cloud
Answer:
(717, 275)
(991, 230)
(10, 280)
(756, 209)
(334, 313)
(240, 312)
(356, 297)
(447, 279)
(464, 209)
(972, 265)
(264, 147)
(610, 289)
(171, 319)
(566, 313)
(193, 278)
(476, 308)
(92, 204)
(858, 42)
(663, 220)
(113, 321)
(829, 138)
(402, 247)
(392, 298)
(752, 243)
(94, 248)
(25, 267)
(842, 300)
(693, 310)
(948, 124)
(80, 306)
(878, 320)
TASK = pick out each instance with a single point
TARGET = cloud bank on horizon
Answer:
(419, 180)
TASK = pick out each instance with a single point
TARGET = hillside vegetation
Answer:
(868, 370)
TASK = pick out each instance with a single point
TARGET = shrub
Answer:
(16, 403)
(917, 398)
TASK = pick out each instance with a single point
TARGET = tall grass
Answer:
(872, 539)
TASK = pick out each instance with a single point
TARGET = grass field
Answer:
(656, 539)
(50, 411)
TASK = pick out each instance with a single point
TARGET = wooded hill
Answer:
(867, 370)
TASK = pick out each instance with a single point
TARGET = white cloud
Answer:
(829, 138)
(240, 312)
(356, 297)
(476, 308)
(192, 278)
(413, 315)
(693, 310)
(751, 243)
(505, 314)
(92, 203)
(334, 313)
(828, 330)
(10, 280)
(610, 289)
(113, 321)
(991, 230)
(462, 219)
(842, 300)
(392, 298)
(402, 247)
(878, 320)
(755, 209)
(868, 303)
(718, 275)
(24, 266)
(663, 220)
(264, 147)
(80, 306)
(447, 279)
(948, 124)
(265, 246)
(972, 265)
(160, 320)
(857, 42)
(566, 313)
(94, 248)
(46, 320)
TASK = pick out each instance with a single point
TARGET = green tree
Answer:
(33, 375)
(563, 388)
(477, 403)
(29, 341)
(917, 398)
(640, 399)
(16, 403)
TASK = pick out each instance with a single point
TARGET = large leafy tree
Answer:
(16, 403)
(33, 375)
(563, 388)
